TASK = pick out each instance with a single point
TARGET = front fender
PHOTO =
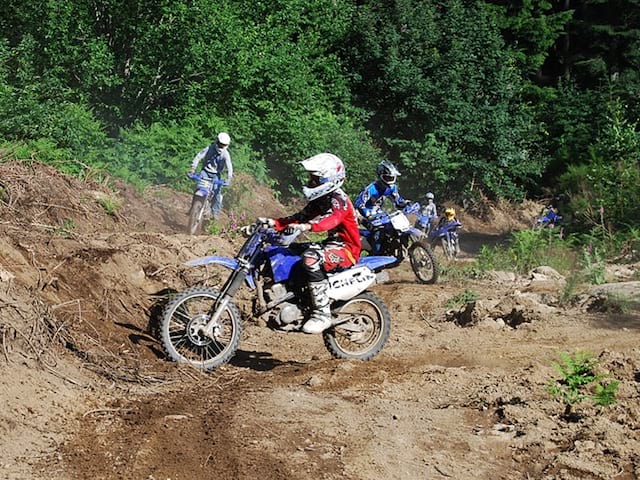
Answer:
(415, 233)
(230, 263)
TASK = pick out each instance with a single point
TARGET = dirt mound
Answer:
(85, 267)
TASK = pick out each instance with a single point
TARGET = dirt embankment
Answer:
(456, 393)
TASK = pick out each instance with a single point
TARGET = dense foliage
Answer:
(500, 98)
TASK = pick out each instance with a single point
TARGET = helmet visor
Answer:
(314, 180)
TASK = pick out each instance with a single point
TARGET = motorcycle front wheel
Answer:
(423, 262)
(449, 248)
(196, 215)
(181, 329)
(363, 328)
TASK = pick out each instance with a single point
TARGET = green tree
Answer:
(445, 96)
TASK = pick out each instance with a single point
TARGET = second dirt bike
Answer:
(392, 234)
(202, 326)
(202, 200)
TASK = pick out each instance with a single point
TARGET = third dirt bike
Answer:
(446, 233)
(392, 234)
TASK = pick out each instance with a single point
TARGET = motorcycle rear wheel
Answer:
(196, 215)
(364, 328)
(423, 262)
(180, 335)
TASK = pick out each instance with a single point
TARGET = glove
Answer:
(269, 222)
(247, 230)
(407, 203)
(297, 227)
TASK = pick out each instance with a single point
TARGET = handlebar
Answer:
(196, 177)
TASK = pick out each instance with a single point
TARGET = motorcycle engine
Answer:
(287, 317)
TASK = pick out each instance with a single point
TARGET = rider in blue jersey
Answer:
(370, 200)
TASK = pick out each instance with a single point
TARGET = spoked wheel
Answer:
(364, 328)
(182, 329)
(423, 262)
(196, 215)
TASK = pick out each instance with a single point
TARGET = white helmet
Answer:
(429, 196)
(224, 138)
(326, 174)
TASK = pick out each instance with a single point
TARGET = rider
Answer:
(449, 216)
(216, 157)
(369, 201)
(429, 210)
(329, 209)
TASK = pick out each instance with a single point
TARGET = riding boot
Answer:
(320, 318)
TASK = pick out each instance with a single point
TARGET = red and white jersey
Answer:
(332, 213)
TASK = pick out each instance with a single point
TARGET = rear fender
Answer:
(230, 263)
(376, 263)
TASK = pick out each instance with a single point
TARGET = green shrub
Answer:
(593, 270)
(462, 299)
(528, 249)
(579, 381)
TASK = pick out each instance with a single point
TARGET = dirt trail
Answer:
(89, 394)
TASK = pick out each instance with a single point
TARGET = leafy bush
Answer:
(579, 381)
(161, 153)
(603, 190)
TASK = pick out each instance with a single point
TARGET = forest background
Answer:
(470, 99)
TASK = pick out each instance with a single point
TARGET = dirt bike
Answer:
(446, 233)
(425, 222)
(550, 219)
(392, 234)
(202, 201)
(201, 326)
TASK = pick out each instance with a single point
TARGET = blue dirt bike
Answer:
(550, 219)
(202, 326)
(202, 201)
(391, 234)
(446, 234)
(425, 222)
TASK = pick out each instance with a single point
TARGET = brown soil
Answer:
(88, 393)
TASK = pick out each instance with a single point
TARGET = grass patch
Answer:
(528, 249)
(110, 205)
(462, 299)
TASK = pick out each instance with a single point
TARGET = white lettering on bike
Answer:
(345, 282)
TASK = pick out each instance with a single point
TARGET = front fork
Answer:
(233, 283)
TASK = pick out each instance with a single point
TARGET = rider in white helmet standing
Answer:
(329, 209)
(216, 158)
(428, 212)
